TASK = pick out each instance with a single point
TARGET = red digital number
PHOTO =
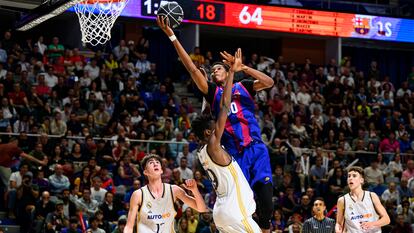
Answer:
(208, 11)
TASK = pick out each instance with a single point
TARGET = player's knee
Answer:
(264, 204)
(266, 208)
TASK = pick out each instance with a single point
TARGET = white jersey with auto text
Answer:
(156, 215)
(235, 200)
(357, 212)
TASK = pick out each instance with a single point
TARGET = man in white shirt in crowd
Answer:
(185, 172)
(42, 47)
(186, 154)
(50, 78)
(121, 50)
(391, 193)
(374, 176)
(92, 70)
(86, 204)
(303, 96)
(403, 89)
(97, 193)
(142, 65)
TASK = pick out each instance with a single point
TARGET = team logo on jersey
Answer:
(159, 216)
(149, 205)
(361, 216)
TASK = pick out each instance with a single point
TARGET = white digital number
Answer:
(147, 3)
(233, 108)
(384, 29)
(245, 17)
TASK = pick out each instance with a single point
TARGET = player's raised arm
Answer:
(195, 73)
(226, 98)
(263, 81)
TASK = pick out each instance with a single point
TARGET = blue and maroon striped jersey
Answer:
(241, 126)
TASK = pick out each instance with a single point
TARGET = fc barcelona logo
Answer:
(361, 25)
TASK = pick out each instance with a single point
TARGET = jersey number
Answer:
(233, 108)
(158, 227)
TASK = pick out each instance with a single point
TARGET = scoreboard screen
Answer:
(282, 19)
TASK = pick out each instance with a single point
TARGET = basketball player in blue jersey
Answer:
(241, 137)
(235, 205)
(153, 205)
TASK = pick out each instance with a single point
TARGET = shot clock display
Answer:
(283, 19)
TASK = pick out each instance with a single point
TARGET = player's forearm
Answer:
(226, 100)
(224, 107)
(262, 77)
(191, 68)
(383, 221)
(199, 201)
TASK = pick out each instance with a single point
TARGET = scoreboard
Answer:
(283, 19)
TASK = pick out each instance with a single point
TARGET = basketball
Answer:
(173, 11)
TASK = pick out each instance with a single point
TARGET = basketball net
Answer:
(97, 17)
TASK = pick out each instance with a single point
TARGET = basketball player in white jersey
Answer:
(359, 211)
(153, 204)
(232, 212)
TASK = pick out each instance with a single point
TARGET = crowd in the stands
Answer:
(88, 111)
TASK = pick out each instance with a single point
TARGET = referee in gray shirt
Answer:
(319, 223)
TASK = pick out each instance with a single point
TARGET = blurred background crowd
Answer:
(97, 114)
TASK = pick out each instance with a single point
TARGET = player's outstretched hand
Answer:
(230, 59)
(164, 23)
(227, 57)
(237, 64)
(190, 184)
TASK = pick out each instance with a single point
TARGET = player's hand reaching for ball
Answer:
(190, 184)
(164, 23)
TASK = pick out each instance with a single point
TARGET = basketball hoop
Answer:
(97, 17)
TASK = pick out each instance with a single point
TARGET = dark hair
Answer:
(147, 158)
(73, 220)
(226, 67)
(93, 218)
(357, 169)
(122, 221)
(200, 124)
(320, 199)
(108, 193)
